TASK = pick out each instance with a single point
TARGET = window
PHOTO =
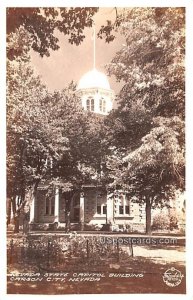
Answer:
(90, 104)
(121, 209)
(49, 206)
(127, 210)
(104, 210)
(101, 206)
(122, 206)
(52, 209)
(102, 105)
(101, 209)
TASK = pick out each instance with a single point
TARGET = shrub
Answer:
(165, 221)
(173, 221)
(161, 221)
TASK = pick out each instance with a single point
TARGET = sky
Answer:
(70, 62)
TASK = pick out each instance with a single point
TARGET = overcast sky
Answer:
(70, 62)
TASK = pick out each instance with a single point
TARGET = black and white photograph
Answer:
(95, 150)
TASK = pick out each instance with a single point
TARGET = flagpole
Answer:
(94, 47)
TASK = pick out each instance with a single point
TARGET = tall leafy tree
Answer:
(49, 137)
(152, 173)
(33, 140)
(147, 129)
(27, 138)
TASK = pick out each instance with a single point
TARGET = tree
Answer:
(41, 25)
(49, 137)
(86, 134)
(33, 140)
(147, 129)
(151, 64)
(154, 171)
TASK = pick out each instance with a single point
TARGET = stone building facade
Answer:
(95, 209)
(92, 209)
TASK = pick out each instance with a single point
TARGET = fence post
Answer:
(131, 248)
(48, 253)
(29, 251)
(22, 250)
(11, 251)
(118, 249)
(87, 248)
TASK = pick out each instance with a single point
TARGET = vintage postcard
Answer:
(96, 150)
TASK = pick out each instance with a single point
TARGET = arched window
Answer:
(49, 205)
(90, 104)
(102, 105)
(122, 205)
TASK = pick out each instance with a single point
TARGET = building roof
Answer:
(94, 79)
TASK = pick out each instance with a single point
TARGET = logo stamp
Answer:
(172, 277)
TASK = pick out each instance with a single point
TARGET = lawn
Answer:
(104, 273)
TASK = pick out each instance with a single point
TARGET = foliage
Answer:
(159, 156)
(85, 132)
(49, 136)
(164, 221)
(147, 129)
(41, 25)
(173, 221)
(161, 221)
(31, 140)
(151, 67)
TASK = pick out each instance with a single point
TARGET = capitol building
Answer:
(93, 207)
(95, 92)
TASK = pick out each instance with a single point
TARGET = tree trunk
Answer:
(16, 223)
(68, 214)
(148, 215)
(8, 211)
(15, 215)
(68, 221)
(18, 203)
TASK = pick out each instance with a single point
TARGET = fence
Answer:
(57, 253)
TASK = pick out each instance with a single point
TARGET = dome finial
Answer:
(94, 46)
